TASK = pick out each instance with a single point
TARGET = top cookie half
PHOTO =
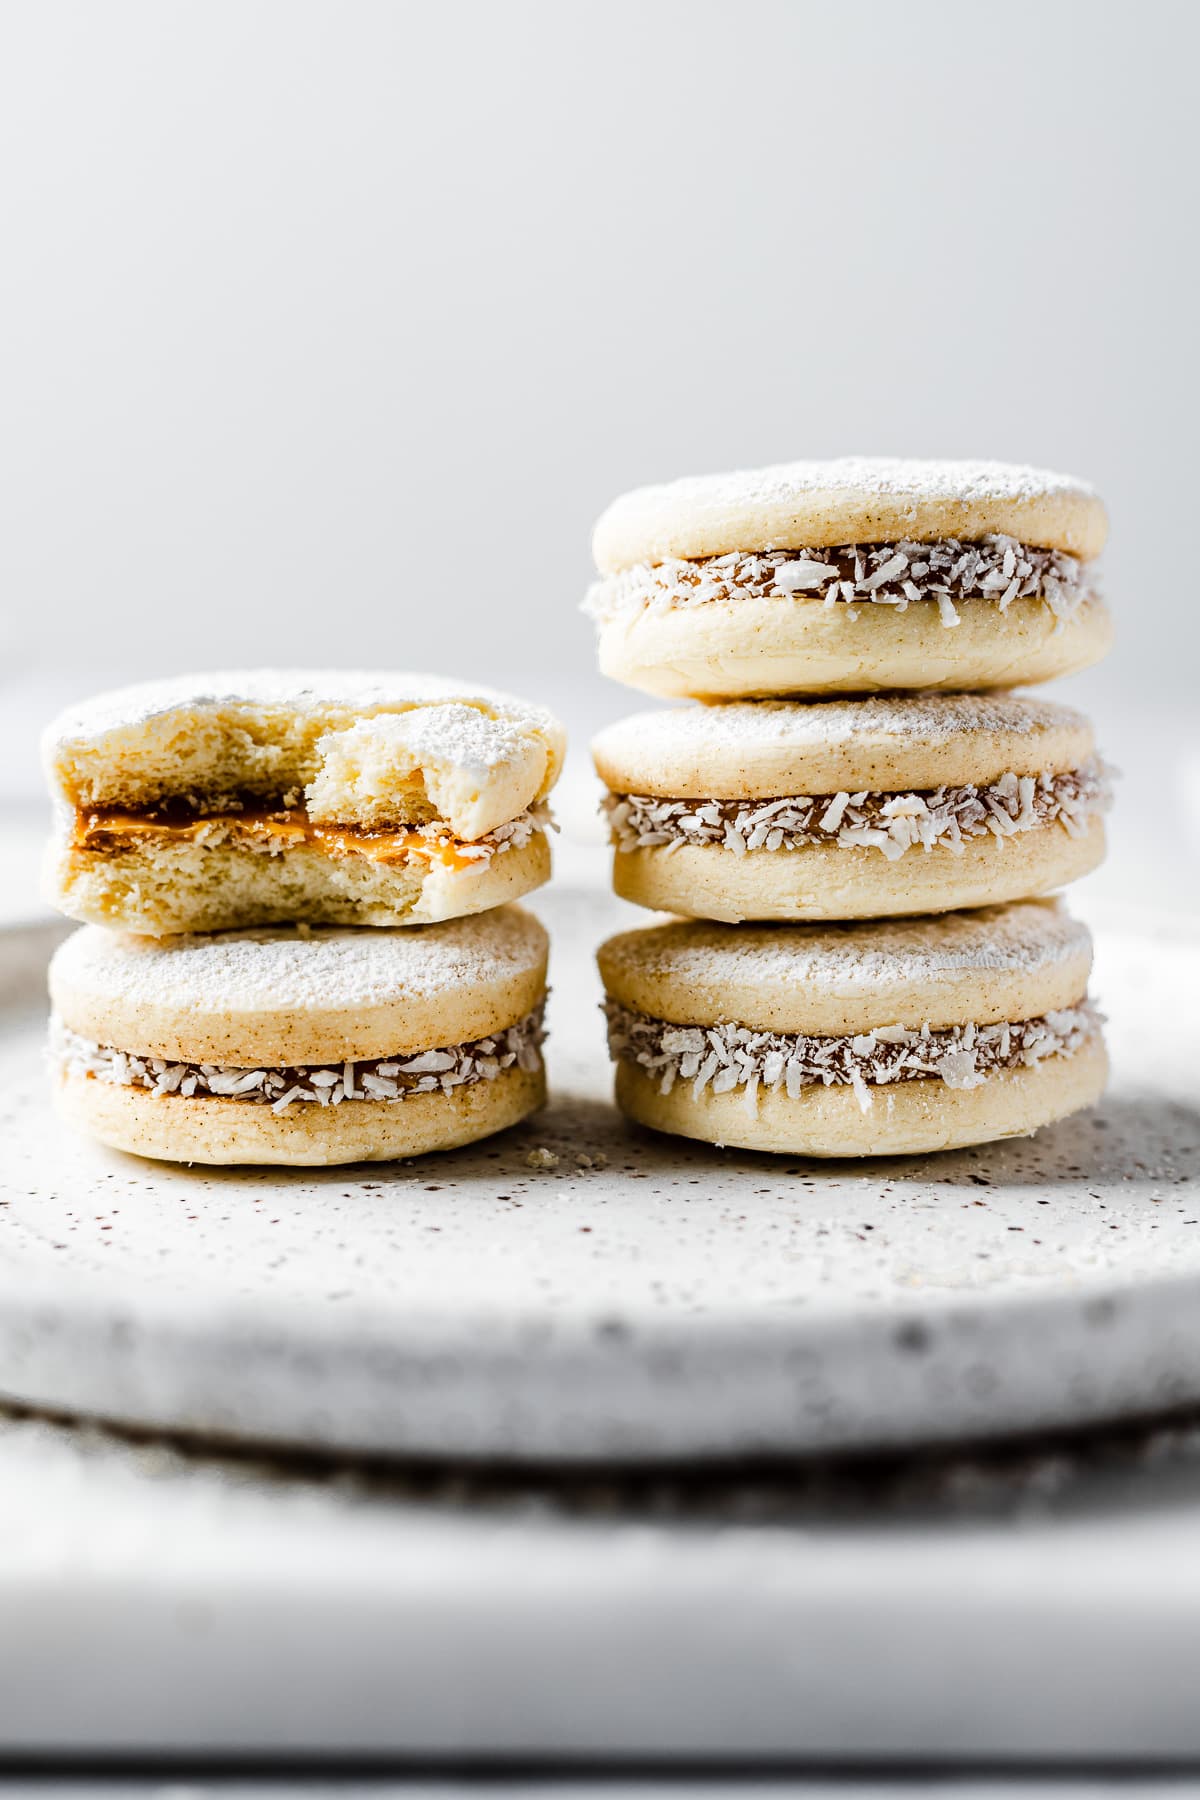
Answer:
(849, 500)
(849, 576)
(258, 797)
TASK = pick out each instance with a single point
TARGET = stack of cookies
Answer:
(299, 946)
(859, 823)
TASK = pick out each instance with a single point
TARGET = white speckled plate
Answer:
(677, 1302)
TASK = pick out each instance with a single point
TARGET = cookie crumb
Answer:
(541, 1158)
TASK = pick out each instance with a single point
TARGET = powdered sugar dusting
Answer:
(379, 1078)
(280, 967)
(898, 485)
(303, 691)
(729, 1057)
(1026, 936)
(916, 478)
(461, 733)
(887, 720)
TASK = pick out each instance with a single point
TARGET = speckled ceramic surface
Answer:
(657, 1300)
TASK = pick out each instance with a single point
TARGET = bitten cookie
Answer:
(219, 801)
(850, 576)
(285, 1045)
(845, 809)
(855, 1040)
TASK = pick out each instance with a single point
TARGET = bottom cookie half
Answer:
(213, 1130)
(831, 882)
(909, 1118)
(764, 648)
(169, 885)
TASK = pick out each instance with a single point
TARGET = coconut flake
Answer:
(960, 1056)
(803, 573)
(890, 823)
(997, 568)
(387, 1079)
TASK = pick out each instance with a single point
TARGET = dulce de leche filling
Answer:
(109, 831)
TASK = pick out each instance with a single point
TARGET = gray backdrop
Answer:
(328, 326)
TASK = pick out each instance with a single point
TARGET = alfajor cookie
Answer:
(219, 801)
(850, 576)
(846, 809)
(857, 1039)
(286, 1045)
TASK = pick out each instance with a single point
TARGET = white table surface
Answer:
(1011, 1607)
(1040, 1606)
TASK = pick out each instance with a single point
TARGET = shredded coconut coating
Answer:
(729, 1056)
(994, 568)
(890, 823)
(513, 836)
(429, 1072)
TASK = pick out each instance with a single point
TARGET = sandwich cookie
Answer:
(845, 809)
(855, 1040)
(850, 576)
(218, 801)
(286, 1045)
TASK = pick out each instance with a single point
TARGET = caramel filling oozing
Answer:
(111, 830)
